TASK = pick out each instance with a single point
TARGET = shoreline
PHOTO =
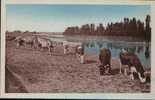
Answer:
(79, 35)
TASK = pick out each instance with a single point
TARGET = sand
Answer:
(35, 71)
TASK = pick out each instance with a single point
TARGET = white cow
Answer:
(77, 47)
(22, 40)
(45, 43)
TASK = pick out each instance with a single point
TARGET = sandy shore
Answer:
(39, 72)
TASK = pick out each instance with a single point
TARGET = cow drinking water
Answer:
(132, 61)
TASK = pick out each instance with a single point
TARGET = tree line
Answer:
(129, 27)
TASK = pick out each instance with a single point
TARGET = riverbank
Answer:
(40, 72)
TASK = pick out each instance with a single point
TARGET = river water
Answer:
(93, 44)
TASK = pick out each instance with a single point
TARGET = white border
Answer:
(3, 28)
(141, 2)
(77, 95)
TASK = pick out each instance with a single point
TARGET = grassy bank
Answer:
(59, 73)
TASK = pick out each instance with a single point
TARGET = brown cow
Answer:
(105, 60)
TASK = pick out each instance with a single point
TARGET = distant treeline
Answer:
(129, 27)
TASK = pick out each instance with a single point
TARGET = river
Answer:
(93, 44)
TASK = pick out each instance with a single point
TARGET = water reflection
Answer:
(147, 52)
(142, 51)
(99, 44)
(93, 44)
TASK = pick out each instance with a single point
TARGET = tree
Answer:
(129, 27)
(148, 28)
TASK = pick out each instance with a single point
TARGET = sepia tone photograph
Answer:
(78, 48)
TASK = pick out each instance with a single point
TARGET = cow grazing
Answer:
(77, 48)
(23, 40)
(19, 41)
(134, 64)
(70, 46)
(45, 43)
(105, 60)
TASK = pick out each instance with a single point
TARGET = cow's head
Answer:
(147, 75)
(107, 69)
(146, 78)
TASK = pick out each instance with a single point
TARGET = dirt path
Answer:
(43, 73)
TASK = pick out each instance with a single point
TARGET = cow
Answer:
(45, 43)
(77, 47)
(105, 60)
(135, 67)
(70, 46)
(23, 40)
(19, 41)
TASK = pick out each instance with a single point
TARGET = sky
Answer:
(56, 18)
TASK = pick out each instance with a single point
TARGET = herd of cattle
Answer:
(129, 62)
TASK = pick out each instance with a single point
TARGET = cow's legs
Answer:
(18, 44)
(50, 50)
(107, 68)
(32, 46)
(125, 70)
(36, 46)
(102, 69)
(42, 48)
(120, 69)
(77, 55)
(131, 76)
(82, 59)
(132, 70)
(142, 80)
(65, 50)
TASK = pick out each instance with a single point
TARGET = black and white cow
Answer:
(105, 60)
(135, 67)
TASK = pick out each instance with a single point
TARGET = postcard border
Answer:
(75, 95)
